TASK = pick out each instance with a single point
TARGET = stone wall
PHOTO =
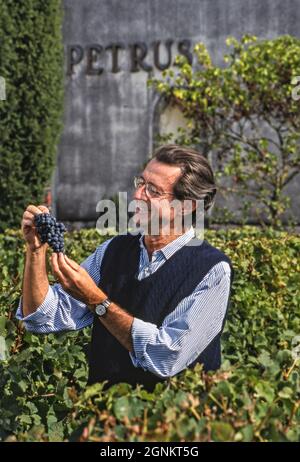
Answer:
(111, 48)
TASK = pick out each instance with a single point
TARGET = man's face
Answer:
(162, 177)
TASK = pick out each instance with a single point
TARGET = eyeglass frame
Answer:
(146, 183)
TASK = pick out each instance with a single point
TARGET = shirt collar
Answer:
(169, 249)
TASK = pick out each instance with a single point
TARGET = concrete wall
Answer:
(110, 118)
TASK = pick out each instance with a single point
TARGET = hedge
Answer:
(253, 397)
(31, 62)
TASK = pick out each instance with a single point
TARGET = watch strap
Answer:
(106, 302)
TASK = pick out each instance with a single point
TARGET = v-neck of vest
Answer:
(164, 265)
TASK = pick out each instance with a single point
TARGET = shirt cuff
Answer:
(141, 333)
(42, 313)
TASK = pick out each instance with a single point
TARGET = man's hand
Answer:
(78, 283)
(28, 227)
(75, 280)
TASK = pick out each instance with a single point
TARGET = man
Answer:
(157, 303)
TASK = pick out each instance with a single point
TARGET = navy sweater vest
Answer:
(151, 300)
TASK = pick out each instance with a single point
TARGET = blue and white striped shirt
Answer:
(164, 351)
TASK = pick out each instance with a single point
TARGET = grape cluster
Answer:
(49, 230)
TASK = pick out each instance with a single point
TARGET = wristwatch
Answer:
(101, 309)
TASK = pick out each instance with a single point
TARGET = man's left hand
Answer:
(75, 280)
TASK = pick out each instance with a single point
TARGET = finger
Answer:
(43, 209)
(33, 209)
(27, 223)
(72, 263)
(64, 267)
(28, 215)
(56, 270)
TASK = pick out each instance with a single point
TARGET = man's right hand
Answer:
(28, 227)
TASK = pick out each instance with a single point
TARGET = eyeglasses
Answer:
(150, 189)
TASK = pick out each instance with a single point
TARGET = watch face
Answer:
(100, 310)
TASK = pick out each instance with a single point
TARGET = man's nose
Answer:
(140, 193)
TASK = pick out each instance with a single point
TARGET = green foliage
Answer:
(244, 114)
(31, 62)
(253, 397)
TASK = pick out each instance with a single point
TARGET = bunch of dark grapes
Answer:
(49, 230)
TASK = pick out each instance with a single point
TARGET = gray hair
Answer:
(197, 179)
